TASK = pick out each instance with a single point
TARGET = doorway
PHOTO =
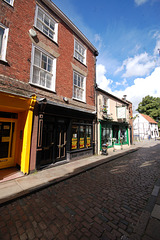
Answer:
(61, 140)
(52, 148)
(7, 142)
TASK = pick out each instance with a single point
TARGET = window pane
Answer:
(35, 75)
(39, 25)
(1, 38)
(37, 58)
(50, 34)
(82, 137)
(44, 62)
(74, 137)
(48, 81)
(40, 14)
(42, 78)
(45, 30)
(46, 20)
(49, 69)
(52, 25)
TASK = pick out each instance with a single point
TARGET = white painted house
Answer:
(145, 127)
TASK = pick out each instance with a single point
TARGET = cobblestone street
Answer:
(103, 203)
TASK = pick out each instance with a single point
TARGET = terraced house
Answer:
(114, 129)
(47, 86)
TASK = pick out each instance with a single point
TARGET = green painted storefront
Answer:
(113, 130)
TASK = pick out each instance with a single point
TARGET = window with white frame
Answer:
(43, 69)
(79, 86)
(3, 41)
(105, 105)
(46, 24)
(10, 2)
(79, 52)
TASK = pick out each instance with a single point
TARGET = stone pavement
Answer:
(83, 206)
(13, 189)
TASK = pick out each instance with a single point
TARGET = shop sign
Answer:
(121, 112)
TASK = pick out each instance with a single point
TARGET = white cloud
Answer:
(123, 83)
(140, 2)
(141, 88)
(102, 81)
(139, 65)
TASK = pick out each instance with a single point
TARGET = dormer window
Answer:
(46, 24)
(79, 52)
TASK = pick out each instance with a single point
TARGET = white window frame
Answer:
(108, 105)
(55, 31)
(49, 56)
(3, 49)
(10, 2)
(79, 87)
(80, 57)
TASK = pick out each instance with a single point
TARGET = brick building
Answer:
(47, 86)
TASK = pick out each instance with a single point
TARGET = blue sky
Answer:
(127, 36)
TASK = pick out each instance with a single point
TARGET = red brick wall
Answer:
(19, 19)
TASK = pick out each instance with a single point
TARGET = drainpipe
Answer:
(96, 122)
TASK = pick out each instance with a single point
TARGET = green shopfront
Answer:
(113, 134)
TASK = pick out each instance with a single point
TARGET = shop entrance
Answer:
(53, 143)
(61, 140)
(7, 141)
(116, 132)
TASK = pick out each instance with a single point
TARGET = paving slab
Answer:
(155, 191)
(156, 212)
(153, 229)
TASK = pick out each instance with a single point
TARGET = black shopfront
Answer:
(64, 134)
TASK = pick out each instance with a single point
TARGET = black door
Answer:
(61, 140)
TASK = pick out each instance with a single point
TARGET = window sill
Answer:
(80, 62)
(79, 100)
(4, 62)
(43, 88)
(80, 150)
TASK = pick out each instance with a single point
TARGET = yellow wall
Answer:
(24, 107)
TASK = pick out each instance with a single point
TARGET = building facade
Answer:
(47, 72)
(145, 127)
(113, 129)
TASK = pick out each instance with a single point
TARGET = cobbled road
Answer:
(103, 203)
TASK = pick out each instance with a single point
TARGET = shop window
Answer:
(81, 136)
(106, 137)
(88, 136)
(74, 137)
(3, 41)
(46, 24)
(79, 52)
(43, 69)
(123, 135)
